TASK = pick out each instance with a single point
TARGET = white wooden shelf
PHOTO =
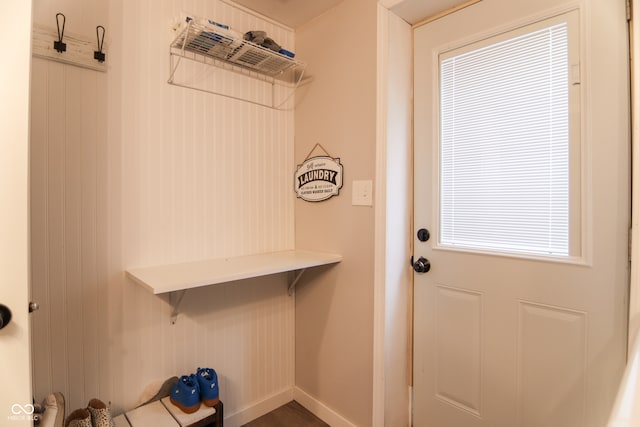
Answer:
(178, 278)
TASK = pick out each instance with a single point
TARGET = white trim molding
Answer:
(634, 287)
(259, 409)
(320, 410)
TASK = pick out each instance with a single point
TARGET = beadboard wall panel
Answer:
(68, 138)
(248, 206)
(129, 171)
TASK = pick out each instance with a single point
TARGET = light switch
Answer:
(362, 193)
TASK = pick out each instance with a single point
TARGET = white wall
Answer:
(334, 306)
(130, 171)
(14, 227)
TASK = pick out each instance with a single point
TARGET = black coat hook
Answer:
(59, 45)
(98, 54)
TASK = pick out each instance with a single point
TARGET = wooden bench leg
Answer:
(219, 415)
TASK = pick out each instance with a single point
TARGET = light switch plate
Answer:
(362, 193)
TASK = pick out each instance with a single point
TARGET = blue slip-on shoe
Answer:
(185, 394)
(208, 382)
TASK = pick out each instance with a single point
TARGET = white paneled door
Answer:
(15, 363)
(522, 180)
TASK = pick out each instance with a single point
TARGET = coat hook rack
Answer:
(99, 54)
(59, 45)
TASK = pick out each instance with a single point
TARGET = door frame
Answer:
(16, 397)
(634, 234)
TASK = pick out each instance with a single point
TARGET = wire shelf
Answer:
(206, 42)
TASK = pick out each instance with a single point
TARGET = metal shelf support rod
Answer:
(182, 49)
(179, 295)
(293, 283)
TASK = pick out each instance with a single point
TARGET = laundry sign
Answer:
(318, 178)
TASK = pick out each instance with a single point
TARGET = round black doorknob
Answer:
(423, 235)
(422, 265)
(5, 316)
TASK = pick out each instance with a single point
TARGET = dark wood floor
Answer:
(292, 414)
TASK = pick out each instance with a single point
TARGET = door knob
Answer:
(423, 234)
(5, 316)
(422, 265)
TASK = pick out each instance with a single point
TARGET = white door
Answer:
(508, 334)
(15, 361)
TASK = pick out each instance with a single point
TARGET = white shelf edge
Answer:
(177, 277)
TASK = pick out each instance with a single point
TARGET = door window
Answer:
(507, 143)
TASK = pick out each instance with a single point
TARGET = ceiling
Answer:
(294, 13)
(414, 11)
(291, 13)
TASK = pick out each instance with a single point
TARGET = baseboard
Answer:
(320, 410)
(259, 409)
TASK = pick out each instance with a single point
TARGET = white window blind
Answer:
(504, 145)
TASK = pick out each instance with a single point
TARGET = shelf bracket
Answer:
(173, 67)
(293, 283)
(175, 304)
